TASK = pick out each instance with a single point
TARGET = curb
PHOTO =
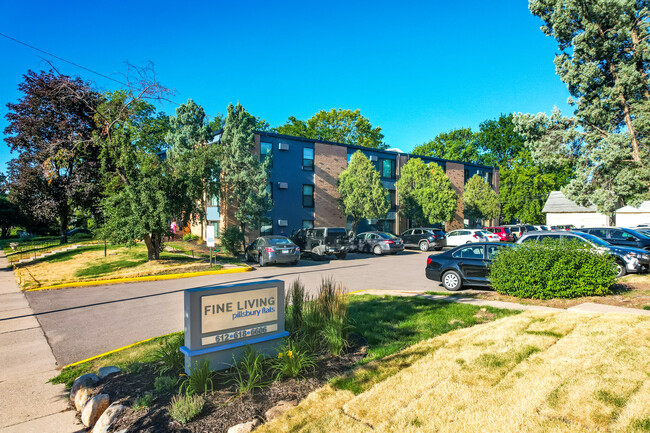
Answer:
(145, 278)
(117, 350)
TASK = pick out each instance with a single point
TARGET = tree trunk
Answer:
(242, 229)
(63, 226)
(153, 242)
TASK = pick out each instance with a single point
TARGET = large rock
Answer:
(85, 381)
(245, 427)
(107, 371)
(107, 418)
(81, 398)
(281, 407)
(94, 408)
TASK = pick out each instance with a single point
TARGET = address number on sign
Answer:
(238, 335)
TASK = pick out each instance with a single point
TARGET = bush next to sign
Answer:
(231, 240)
(546, 270)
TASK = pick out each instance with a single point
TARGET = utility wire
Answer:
(78, 65)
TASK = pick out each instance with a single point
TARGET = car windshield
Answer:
(506, 230)
(387, 235)
(484, 232)
(280, 241)
(640, 234)
(591, 238)
(336, 231)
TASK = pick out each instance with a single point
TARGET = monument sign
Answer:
(220, 321)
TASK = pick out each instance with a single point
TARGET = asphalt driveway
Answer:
(86, 321)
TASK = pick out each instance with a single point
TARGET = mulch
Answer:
(224, 408)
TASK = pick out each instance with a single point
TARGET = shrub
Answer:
(169, 355)
(190, 237)
(184, 408)
(292, 361)
(249, 372)
(294, 304)
(165, 383)
(142, 402)
(551, 269)
(199, 379)
(231, 240)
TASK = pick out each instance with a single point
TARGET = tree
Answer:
(457, 144)
(498, 143)
(604, 62)
(244, 177)
(362, 194)
(480, 200)
(9, 213)
(337, 125)
(425, 193)
(51, 129)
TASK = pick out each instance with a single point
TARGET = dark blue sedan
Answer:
(466, 265)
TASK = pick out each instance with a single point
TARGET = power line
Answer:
(79, 66)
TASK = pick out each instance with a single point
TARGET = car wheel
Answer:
(295, 263)
(247, 258)
(377, 250)
(619, 268)
(451, 280)
(424, 246)
(261, 261)
(438, 249)
(341, 256)
(468, 242)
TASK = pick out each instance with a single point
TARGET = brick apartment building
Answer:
(303, 180)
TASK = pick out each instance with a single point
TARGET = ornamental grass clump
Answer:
(292, 361)
(199, 381)
(250, 371)
(169, 356)
(552, 269)
(184, 408)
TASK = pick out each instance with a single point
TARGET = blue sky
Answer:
(416, 69)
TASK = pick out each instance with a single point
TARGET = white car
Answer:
(465, 236)
(491, 237)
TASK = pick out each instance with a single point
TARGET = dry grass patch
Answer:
(88, 263)
(538, 371)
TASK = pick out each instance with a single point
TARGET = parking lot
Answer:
(86, 321)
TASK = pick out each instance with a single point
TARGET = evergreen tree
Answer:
(362, 194)
(604, 61)
(244, 177)
(425, 193)
(480, 200)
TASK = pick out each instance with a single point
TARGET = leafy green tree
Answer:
(480, 200)
(362, 194)
(193, 161)
(425, 193)
(50, 128)
(603, 59)
(498, 143)
(457, 144)
(337, 125)
(244, 177)
(9, 213)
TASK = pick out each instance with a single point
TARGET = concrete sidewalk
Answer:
(582, 308)
(27, 402)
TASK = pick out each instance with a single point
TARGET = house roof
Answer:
(644, 207)
(558, 203)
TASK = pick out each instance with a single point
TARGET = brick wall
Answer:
(329, 162)
(456, 173)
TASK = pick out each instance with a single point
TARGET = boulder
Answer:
(107, 371)
(93, 409)
(245, 427)
(107, 418)
(85, 381)
(281, 407)
(81, 397)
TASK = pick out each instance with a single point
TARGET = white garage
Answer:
(629, 216)
(560, 210)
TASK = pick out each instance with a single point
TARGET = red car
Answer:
(503, 232)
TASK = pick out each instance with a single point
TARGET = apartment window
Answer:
(217, 229)
(214, 201)
(308, 159)
(269, 189)
(265, 150)
(266, 227)
(489, 179)
(388, 168)
(307, 224)
(466, 175)
(308, 196)
(393, 199)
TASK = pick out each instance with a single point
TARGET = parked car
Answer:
(465, 236)
(272, 249)
(377, 243)
(424, 238)
(563, 227)
(504, 233)
(620, 236)
(627, 260)
(466, 265)
(644, 230)
(323, 241)
(491, 237)
(518, 230)
(541, 228)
